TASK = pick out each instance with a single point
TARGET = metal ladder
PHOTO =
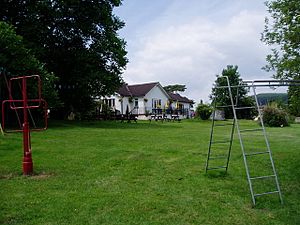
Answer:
(250, 152)
(219, 151)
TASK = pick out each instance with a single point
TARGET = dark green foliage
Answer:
(294, 99)
(282, 32)
(247, 113)
(265, 98)
(175, 88)
(221, 95)
(17, 60)
(274, 116)
(77, 40)
(203, 111)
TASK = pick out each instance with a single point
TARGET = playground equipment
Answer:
(253, 142)
(24, 104)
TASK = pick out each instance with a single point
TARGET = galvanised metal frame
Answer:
(211, 142)
(251, 84)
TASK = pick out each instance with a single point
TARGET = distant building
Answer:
(149, 99)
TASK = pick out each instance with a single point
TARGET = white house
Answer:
(182, 104)
(148, 99)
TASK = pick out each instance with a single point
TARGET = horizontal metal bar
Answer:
(246, 107)
(256, 153)
(251, 130)
(266, 193)
(223, 124)
(223, 106)
(262, 177)
(264, 83)
(215, 168)
(270, 81)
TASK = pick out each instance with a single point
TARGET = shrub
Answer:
(203, 111)
(274, 116)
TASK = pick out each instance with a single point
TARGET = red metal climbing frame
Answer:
(25, 104)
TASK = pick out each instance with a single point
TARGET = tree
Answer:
(203, 111)
(294, 99)
(16, 59)
(282, 32)
(221, 95)
(175, 88)
(77, 40)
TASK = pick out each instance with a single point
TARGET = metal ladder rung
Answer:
(251, 130)
(262, 177)
(223, 106)
(256, 153)
(266, 193)
(223, 124)
(217, 167)
(246, 107)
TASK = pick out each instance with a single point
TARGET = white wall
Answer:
(156, 93)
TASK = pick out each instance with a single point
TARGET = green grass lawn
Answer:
(143, 173)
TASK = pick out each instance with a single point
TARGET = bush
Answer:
(274, 116)
(203, 111)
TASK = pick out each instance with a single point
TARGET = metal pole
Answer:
(27, 160)
(2, 132)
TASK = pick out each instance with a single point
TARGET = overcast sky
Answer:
(190, 41)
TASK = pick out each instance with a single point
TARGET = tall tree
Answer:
(16, 59)
(222, 97)
(77, 40)
(294, 100)
(282, 32)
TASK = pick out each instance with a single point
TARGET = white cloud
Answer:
(192, 52)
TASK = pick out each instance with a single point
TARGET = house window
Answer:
(179, 105)
(156, 103)
(136, 103)
(110, 102)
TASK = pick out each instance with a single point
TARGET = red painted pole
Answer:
(27, 160)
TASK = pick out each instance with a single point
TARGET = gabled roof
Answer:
(140, 90)
(179, 98)
(137, 90)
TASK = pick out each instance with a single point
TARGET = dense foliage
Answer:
(16, 59)
(77, 40)
(282, 32)
(221, 96)
(203, 111)
(294, 99)
(274, 116)
(265, 98)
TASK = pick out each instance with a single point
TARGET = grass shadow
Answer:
(62, 124)
(217, 174)
(17, 175)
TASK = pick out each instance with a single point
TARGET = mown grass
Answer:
(144, 173)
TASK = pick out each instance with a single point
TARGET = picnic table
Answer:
(164, 117)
